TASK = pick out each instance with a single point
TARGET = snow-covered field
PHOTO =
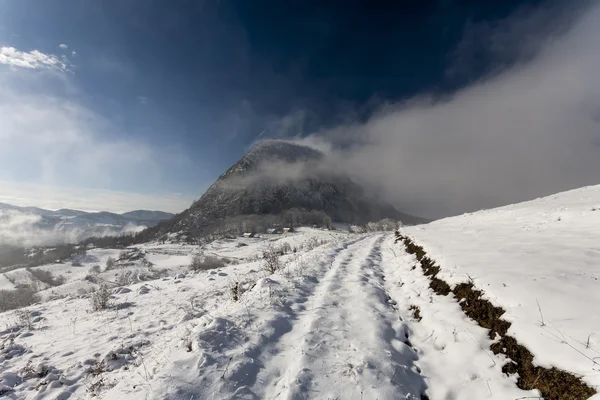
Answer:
(337, 321)
(546, 252)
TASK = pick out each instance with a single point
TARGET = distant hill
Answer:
(36, 226)
(277, 176)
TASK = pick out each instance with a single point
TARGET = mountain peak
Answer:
(274, 150)
(275, 176)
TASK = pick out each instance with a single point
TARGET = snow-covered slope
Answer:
(334, 322)
(540, 261)
(346, 316)
(27, 226)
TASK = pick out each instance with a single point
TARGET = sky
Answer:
(442, 106)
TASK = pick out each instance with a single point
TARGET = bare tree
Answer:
(271, 262)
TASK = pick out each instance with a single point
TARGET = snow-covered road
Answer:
(351, 342)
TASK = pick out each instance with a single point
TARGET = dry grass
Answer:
(481, 310)
(205, 263)
(416, 312)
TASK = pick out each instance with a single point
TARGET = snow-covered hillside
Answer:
(346, 316)
(540, 261)
(29, 226)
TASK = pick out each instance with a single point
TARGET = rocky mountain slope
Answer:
(275, 176)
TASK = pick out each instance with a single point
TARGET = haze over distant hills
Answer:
(27, 226)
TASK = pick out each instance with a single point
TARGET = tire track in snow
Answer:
(351, 343)
(234, 361)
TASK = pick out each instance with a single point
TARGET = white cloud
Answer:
(25, 229)
(61, 143)
(56, 197)
(531, 131)
(48, 136)
(32, 60)
(63, 46)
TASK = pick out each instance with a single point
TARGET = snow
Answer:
(544, 251)
(334, 322)
(5, 283)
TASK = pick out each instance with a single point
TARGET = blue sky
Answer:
(119, 105)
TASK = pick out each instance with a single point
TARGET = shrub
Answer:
(235, 291)
(416, 312)
(124, 279)
(95, 269)
(203, 263)
(46, 277)
(23, 296)
(110, 263)
(100, 298)
(286, 248)
(24, 320)
(313, 243)
(271, 261)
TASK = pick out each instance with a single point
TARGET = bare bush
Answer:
(384, 225)
(100, 298)
(271, 262)
(95, 269)
(24, 319)
(286, 248)
(110, 263)
(312, 243)
(23, 296)
(204, 263)
(47, 277)
(124, 279)
(235, 291)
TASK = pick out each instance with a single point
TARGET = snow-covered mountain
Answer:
(26, 226)
(275, 176)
